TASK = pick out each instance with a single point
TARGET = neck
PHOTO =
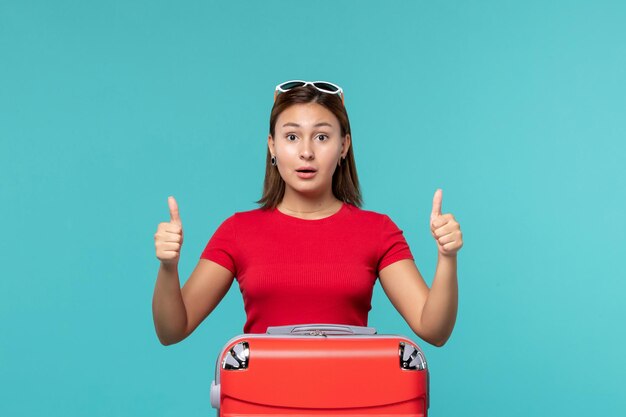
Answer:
(303, 205)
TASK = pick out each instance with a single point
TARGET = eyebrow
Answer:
(315, 125)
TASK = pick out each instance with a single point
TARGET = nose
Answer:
(306, 151)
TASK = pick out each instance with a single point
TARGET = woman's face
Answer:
(308, 144)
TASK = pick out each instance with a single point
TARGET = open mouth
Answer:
(306, 173)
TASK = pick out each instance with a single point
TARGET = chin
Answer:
(308, 190)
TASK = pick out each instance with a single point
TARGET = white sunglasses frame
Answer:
(311, 83)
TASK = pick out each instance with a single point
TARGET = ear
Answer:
(270, 144)
(345, 145)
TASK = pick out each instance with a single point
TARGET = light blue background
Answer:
(516, 109)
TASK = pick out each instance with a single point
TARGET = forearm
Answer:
(168, 308)
(440, 310)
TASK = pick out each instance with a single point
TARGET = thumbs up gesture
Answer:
(445, 229)
(168, 238)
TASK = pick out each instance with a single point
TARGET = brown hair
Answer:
(345, 179)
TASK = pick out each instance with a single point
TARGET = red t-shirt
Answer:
(296, 271)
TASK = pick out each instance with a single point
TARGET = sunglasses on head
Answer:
(323, 86)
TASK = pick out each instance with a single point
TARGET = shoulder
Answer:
(241, 224)
(372, 218)
(250, 214)
(246, 218)
(368, 214)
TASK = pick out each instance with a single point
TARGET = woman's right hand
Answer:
(168, 238)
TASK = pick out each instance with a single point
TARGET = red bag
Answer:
(320, 369)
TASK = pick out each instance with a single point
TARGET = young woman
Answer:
(309, 254)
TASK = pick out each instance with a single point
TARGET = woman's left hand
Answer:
(445, 229)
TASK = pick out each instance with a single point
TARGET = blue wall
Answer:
(516, 109)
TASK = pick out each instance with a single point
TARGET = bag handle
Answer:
(321, 330)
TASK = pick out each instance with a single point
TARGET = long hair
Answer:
(345, 180)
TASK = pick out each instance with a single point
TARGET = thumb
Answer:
(436, 204)
(174, 214)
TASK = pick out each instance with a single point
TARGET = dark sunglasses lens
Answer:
(327, 87)
(290, 85)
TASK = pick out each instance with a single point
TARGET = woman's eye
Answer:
(291, 137)
(322, 137)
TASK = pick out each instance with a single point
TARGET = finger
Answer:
(437, 199)
(174, 214)
(171, 237)
(444, 219)
(443, 231)
(452, 247)
(439, 222)
(167, 227)
(170, 246)
(168, 254)
(449, 226)
(443, 240)
(173, 228)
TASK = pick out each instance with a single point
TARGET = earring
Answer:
(273, 161)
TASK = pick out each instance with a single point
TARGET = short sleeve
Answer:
(221, 248)
(393, 246)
